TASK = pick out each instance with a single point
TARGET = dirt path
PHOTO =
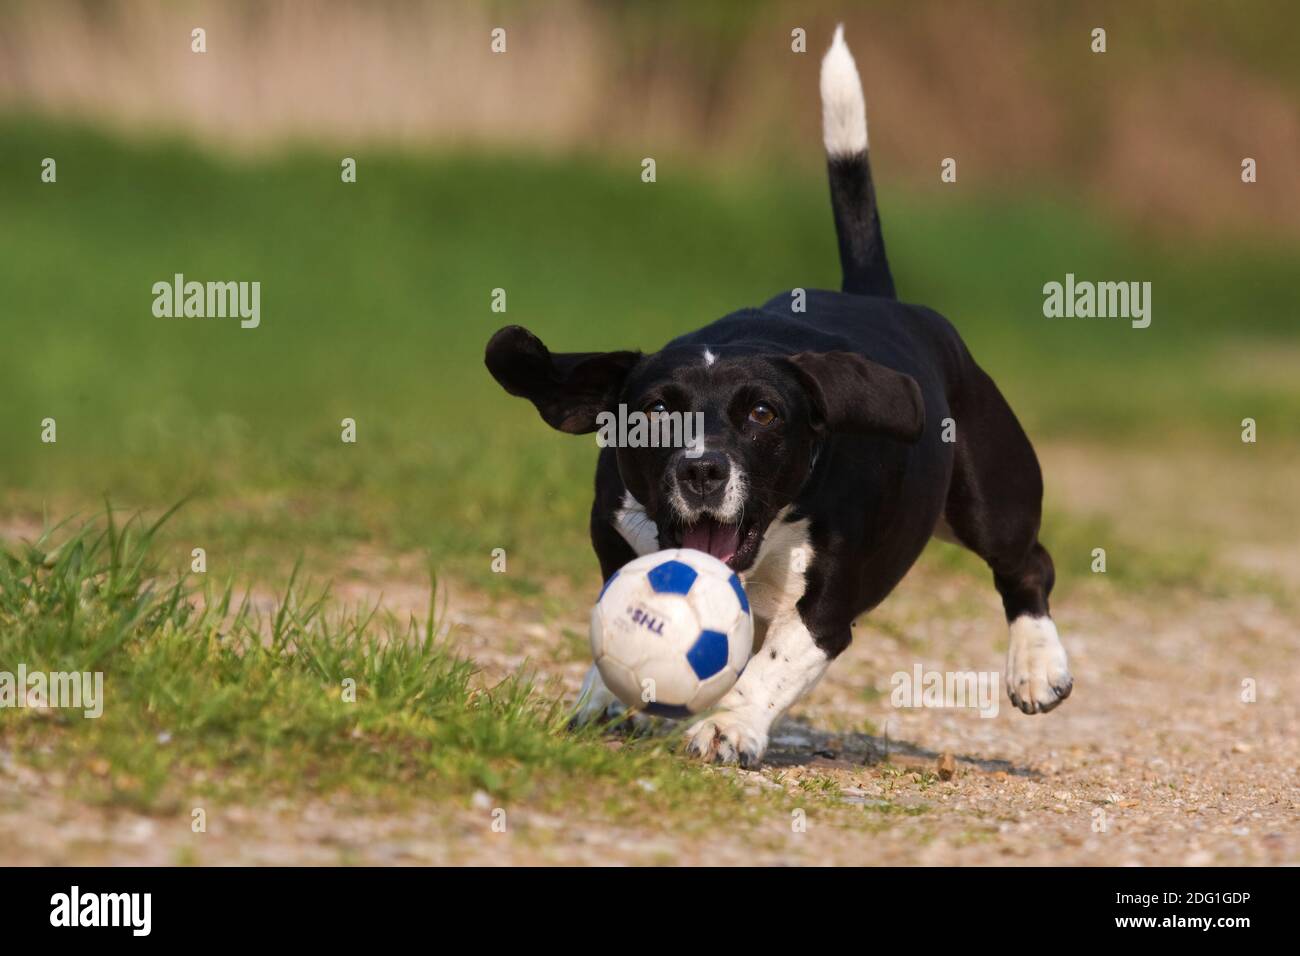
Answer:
(1155, 758)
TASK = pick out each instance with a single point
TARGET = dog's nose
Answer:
(703, 476)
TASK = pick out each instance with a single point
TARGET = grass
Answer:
(376, 305)
(205, 696)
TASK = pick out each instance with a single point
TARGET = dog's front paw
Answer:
(596, 703)
(594, 700)
(1038, 673)
(728, 736)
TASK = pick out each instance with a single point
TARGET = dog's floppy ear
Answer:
(569, 389)
(852, 394)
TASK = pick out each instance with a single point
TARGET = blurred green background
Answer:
(376, 295)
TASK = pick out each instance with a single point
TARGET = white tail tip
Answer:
(844, 112)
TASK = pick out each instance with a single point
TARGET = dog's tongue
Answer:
(712, 537)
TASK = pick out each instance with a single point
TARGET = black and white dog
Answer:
(825, 470)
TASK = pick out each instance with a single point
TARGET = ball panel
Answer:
(715, 605)
(709, 654)
(672, 577)
(675, 681)
(671, 711)
(624, 644)
(620, 680)
(741, 596)
(711, 691)
(612, 626)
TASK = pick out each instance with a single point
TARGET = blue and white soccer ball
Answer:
(671, 632)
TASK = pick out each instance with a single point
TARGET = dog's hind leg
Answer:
(994, 507)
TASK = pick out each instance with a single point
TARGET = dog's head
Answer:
(762, 418)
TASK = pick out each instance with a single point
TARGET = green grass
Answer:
(205, 696)
(375, 306)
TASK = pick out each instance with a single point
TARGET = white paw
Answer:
(1038, 673)
(594, 699)
(728, 736)
(596, 702)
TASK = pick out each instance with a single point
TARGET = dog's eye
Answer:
(657, 407)
(762, 414)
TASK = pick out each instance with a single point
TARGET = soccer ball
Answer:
(671, 632)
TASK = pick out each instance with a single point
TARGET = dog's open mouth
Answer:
(733, 544)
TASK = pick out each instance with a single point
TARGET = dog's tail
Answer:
(853, 197)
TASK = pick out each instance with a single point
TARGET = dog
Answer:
(838, 439)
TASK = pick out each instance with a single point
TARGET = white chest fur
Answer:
(776, 581)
